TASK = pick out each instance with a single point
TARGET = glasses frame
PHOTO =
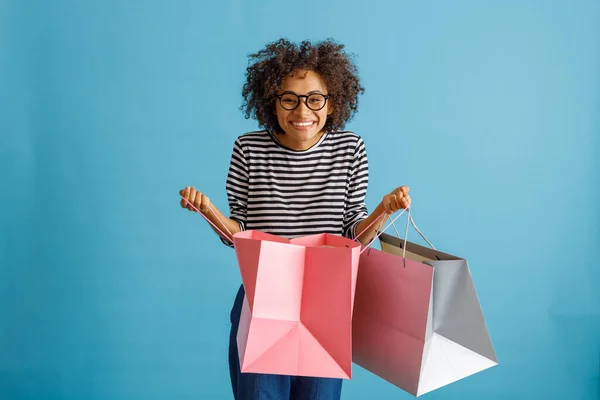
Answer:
(306, 96)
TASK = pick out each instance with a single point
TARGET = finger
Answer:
(204, 205)
(386, 203)
(396, 202)
(191, 198)
(408, 201)
(400, 191)
(404, 189)
(182, 200)
(391, 204)
(184, 194)
(405, 203)
(198, 201)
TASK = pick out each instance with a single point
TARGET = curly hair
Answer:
(270, 66)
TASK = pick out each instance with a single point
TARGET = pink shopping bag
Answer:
(297, 314)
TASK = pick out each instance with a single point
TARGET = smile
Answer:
(303, 124)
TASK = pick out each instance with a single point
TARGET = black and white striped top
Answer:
(292, 193)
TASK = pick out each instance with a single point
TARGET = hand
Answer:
(396, 200)
(199, 200)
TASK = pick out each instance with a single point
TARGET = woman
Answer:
(301, 175)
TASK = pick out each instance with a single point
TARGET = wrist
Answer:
(380, 211)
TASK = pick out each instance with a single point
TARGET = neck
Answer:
(298, 145)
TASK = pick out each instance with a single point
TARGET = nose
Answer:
(302, 108)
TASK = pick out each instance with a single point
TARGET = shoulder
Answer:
(252, 141)
(347, 139)
(254, 136)
(345, 136)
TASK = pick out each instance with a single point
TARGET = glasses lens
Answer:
(315, 101)
(289, 101)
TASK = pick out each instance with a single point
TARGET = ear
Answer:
(329, 109)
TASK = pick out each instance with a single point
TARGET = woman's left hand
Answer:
(396, 200)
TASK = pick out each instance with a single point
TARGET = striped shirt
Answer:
(292, 193)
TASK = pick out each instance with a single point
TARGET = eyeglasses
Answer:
(290, 101)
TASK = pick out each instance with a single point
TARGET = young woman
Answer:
(301, 174)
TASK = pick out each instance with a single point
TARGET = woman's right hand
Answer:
(199, 200)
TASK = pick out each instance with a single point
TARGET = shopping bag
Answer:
(297, 314)
(417, 320)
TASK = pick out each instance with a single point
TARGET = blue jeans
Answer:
(247, 386)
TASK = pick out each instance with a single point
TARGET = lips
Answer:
(302, 124)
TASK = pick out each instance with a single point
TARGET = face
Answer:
(303, 127)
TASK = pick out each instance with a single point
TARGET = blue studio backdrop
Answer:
(489, 110)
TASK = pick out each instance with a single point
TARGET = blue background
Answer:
(489, 110)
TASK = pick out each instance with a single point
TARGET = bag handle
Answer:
(412, 222)
(409, 220)
(383, 230)
(228, 237)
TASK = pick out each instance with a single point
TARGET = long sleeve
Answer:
(237, 187)
(358, 181)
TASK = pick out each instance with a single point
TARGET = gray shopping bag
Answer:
(417, 320)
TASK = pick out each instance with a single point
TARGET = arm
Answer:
(358, 181)
(237, 194)
(355, 218)
(201, 202)
(368, 235)
(391, 203)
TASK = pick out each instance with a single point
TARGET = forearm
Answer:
(222, 223)
(377, 214)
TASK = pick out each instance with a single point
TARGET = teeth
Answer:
(302, 123)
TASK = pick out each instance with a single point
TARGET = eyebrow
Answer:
(312, 92)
